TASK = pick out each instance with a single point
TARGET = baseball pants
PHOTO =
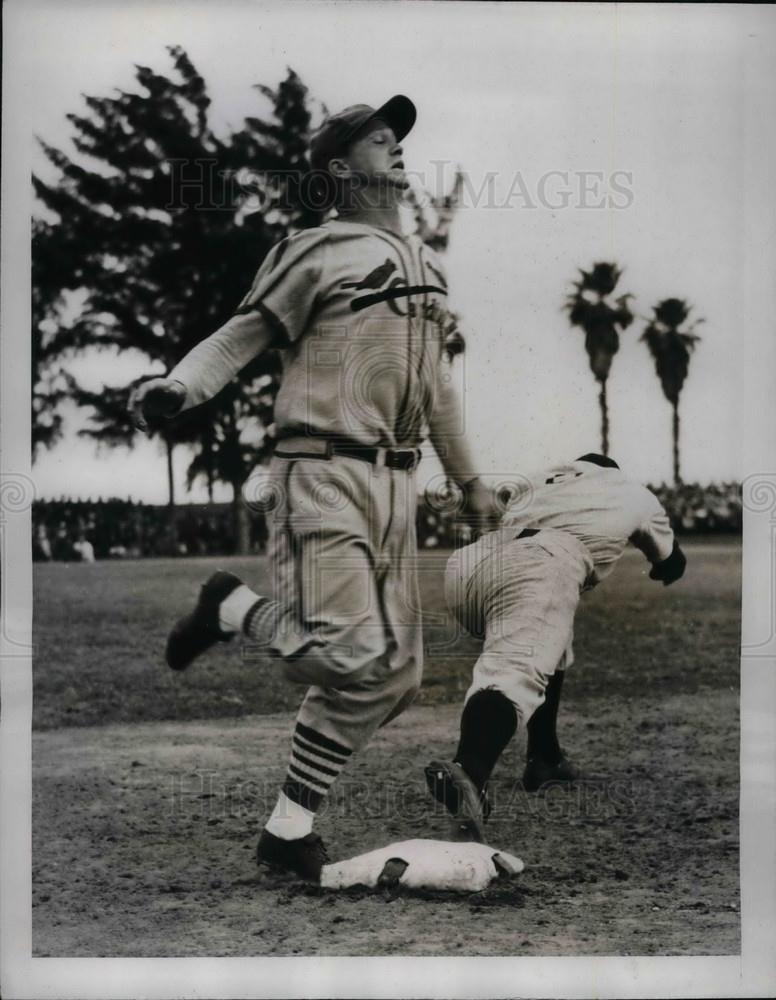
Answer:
(343, 554)
(520, 595)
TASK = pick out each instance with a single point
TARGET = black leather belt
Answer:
(393, 458)
(528, 532)
(405, 459)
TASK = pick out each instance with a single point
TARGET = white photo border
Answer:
(751, 974)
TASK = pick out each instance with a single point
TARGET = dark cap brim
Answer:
(399, 113)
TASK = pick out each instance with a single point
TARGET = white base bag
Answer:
(427, 864)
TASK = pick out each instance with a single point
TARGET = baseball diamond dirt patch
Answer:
(144, 831)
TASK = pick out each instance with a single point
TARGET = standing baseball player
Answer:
(359, 313)
(519, 587)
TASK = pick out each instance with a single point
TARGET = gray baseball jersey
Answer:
(599, 506)
(360, 317)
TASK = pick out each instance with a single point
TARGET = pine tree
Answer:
(155, 215)
(50, 383)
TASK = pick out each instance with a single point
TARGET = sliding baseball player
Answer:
(519, 587)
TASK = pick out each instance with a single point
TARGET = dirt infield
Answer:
(144, 831)
(144, 841)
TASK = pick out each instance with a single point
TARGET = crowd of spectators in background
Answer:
(696, 508)
(123, 529)
(85, 530)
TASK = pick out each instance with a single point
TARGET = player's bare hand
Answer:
(154, 401)
(481, 509)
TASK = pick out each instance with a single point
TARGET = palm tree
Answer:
(671, 347)
(589, 308)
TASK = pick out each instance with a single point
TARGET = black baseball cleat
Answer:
(452, 786)
(304, 857)
(199, 630)
(538, 772)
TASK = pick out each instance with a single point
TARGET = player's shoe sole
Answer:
(196, 632)
(538, 772)
(452, 786)
(304, 857)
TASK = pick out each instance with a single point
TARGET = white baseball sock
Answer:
(289, 820)
(232, 610)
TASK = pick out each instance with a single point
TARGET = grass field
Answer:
(99, 633)
(639, 859)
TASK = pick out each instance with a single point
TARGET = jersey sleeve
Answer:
(654, 536)
(207, 368)
(286, 285)
(274, 313)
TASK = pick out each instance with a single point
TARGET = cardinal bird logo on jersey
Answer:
(375, 279)
(397, 289)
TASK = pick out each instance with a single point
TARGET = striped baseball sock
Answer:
(245, 611)
(315, 764)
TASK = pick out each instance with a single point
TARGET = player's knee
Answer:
(335, 663)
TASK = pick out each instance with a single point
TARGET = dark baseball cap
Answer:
(603, 460)
(334, 136)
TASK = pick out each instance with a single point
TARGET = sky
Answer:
(657, 98)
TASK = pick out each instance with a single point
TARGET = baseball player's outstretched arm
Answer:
(276, 309)
(207, 368)
(203, 372)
